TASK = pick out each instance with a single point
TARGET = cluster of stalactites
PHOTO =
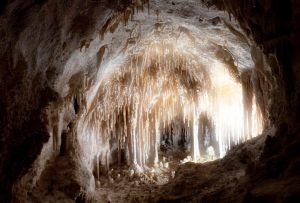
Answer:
(160, 84)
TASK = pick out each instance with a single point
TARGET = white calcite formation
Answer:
(169, 76)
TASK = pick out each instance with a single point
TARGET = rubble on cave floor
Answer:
(191, 181)
(122, 183)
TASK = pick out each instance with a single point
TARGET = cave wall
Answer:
(37, 39)
(45, 63)
(274, 29)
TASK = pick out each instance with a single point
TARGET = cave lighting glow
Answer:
(162, 83)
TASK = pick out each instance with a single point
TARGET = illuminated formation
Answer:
(162, 94)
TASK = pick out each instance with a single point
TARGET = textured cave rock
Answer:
(34, 58)
(38, 39)
(273, 26)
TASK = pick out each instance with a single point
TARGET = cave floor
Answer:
(121, 184)
(192, 182)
